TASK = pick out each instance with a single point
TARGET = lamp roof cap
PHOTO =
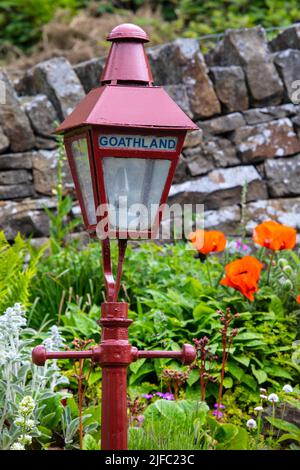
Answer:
(128, 31)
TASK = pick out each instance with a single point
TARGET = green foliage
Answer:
(228, 436)
(21, 20)
(19, 378)
(171, 302)
(70, 427)
(69, 276)
(209, 17)
(90, 443)
(18, 264)
(292, 432)
(185, 424)
(172, 425)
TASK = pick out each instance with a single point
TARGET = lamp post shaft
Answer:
(116, 356)
(114, 424)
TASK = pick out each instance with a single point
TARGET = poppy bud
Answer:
(288, 270)
(282, 262)
(287, 285)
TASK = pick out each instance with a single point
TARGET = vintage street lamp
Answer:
(123, 142)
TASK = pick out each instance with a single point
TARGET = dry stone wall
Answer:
(242, 94)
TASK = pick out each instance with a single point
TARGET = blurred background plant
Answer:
(18, 266)
(24, 23)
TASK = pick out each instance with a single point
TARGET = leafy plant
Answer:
(171, 302)
(19, 378)
(185, 424)
(21, 20)
(292, 432)
(18, 266)
(70, 426)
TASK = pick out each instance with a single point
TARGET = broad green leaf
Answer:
(226, 432)
(228, 382)
(202, 310)
(72, 406)
(276, 306)
(249, 335)
(95, 414)
(287, 437)
(243, 360)
(277, 371)
(145, 369)
(195, 287)
(259, 374)
(250, 381)
(165, 408)
(89, 443)
(238, 441)
(45, 434)
(134, 366)
(193, 377)
(284, 425)
(235, 370)
(95, 377)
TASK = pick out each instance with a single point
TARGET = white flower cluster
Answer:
(273, 398)
(17, 446)
(251, 424)
(25, 422)
(26, 406)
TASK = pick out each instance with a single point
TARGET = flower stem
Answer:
(224, 355)
(80, 402)
(270, 267)
(258, 429)
(208, 273)
(273, 416)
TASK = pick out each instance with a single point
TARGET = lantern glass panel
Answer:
(81, 159)
(134, 188)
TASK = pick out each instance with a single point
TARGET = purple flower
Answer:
(219, 406)
(148, 396)
(140, 419)
(237, 246)
(217, 413)
(165, 396)
(169, 396)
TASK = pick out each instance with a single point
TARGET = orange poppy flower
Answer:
(298, 299)
(243, 275)
(275, 236)
(208, 241)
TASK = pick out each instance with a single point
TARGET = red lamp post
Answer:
(123, 142)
